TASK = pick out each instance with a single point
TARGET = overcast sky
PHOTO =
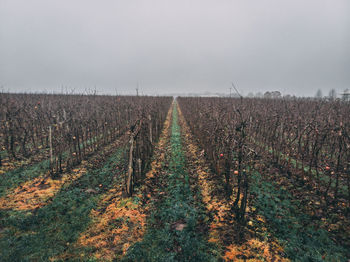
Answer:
(294, 46)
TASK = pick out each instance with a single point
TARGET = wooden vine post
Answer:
(150, 129)
(130, 167)
(50, 143)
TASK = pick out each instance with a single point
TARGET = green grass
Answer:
(162, 242)
(15, 177)
(302, 239)
(48, 231)
(323, 177)
(19, 175)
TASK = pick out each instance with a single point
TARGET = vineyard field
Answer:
(146, 178)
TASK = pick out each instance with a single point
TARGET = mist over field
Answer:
(170, 47)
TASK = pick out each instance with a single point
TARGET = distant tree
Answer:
(267, 94)
(259, 94)
(332, 94)
(319, 94)
(276, 94)
(346, 95)
(273, 94)
(250, 94)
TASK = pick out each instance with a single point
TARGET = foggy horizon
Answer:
(165, 47)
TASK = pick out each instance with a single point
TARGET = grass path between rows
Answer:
(22, 174)
(41, 234)
(37, 192)
(175, 230)
(303, 238)
(14, 174)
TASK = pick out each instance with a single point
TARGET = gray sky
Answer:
(294, 46)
